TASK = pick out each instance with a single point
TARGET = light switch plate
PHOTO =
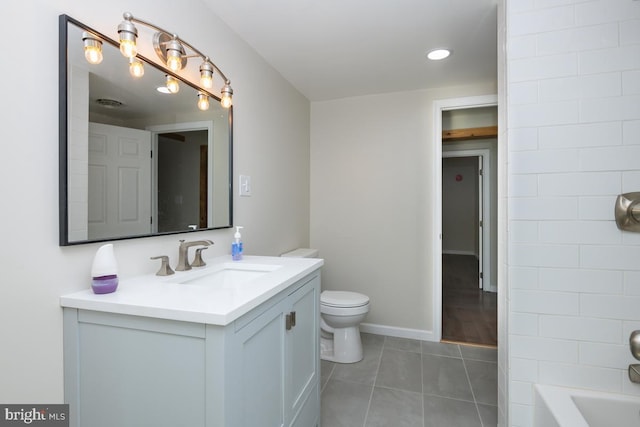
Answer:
(245, 185)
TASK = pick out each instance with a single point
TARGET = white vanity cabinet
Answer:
(277, 354)
(260, 370)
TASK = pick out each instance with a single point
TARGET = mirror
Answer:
(135, 162)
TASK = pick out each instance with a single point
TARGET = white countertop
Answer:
(167, 298)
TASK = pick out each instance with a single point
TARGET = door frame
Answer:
(484, 210)
(439, 106)
(179, 127)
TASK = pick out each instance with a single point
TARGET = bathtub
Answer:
(569, 407)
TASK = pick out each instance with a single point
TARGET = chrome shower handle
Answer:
(627, 211)
(634, 344)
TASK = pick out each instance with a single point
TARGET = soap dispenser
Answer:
(236, 246)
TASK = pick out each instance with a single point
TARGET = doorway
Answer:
(479, 257)
(183, 171)
(469, 312)
(181, 187)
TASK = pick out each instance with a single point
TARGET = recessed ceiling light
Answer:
(163, 89)
(438, 54)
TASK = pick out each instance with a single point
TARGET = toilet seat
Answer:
(344, 311)
(343, 299)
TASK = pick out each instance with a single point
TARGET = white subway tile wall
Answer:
(583, 135)
(573, 79)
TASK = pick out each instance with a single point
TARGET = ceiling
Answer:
(331, 49)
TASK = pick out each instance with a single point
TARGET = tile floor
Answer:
(403, 382)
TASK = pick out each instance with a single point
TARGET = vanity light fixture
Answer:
(438, 54)
(227, 93)
(128, 33)
(174, 52)
(206, 74)
(92, 48)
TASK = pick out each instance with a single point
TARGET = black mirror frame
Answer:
(63, 132)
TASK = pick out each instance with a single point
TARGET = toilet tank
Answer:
(301, 253)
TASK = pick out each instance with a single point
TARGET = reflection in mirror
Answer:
(135, 161)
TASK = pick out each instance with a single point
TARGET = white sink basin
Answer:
(227, 275)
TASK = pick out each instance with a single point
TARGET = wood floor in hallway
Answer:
(469, 314)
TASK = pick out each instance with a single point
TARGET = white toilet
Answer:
(341, 313)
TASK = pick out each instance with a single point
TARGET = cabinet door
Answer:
(130, 371)
(259, 361)
(302, 356)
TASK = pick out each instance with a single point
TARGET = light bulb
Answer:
(127, 33)
(206, 81)
(93, 54)
(174, 64)
(92, 48)
(136, 68)
(128, 48)
(172, 84)
(206, 74)
(226, 101)
(174, 55)
(203, 102)
(226, 93)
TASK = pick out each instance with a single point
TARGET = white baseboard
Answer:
(393, 331)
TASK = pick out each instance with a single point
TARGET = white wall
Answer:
(270, 144)
(371, 180)
(469, 118)
(460, 214)
(574, 144)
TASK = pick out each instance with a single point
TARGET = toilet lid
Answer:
(343, 299)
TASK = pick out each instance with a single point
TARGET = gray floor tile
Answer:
(479, 353)
(444, 412)
(484, 381)
(441, 349)
(402, 344)
(397, 408)
(372, 340)
(446, 377)
(404, 382)
(364, 371)
(400, 370)
(344, 404)
(326, 368)
(488, 415)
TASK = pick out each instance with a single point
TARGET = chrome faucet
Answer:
(183, 253)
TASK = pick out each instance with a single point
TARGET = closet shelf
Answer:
(470, 133)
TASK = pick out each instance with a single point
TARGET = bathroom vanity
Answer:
(230, 344)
